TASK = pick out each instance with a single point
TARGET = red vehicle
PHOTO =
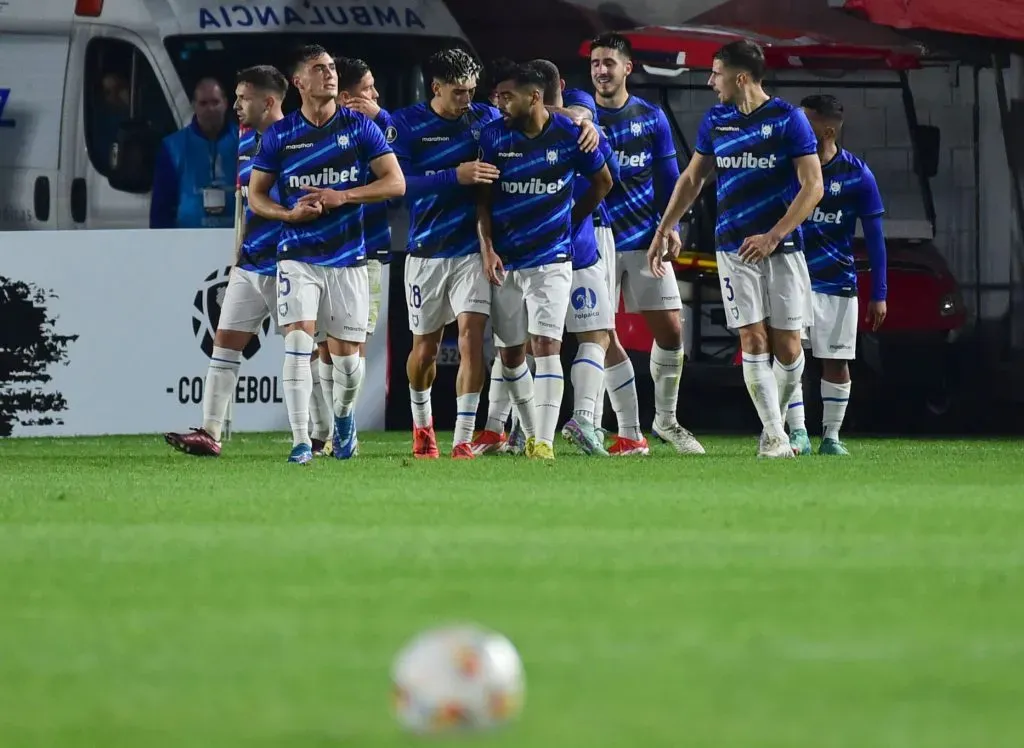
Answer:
(911, 359)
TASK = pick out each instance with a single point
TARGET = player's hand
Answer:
(477, 172)
(304, 212)
(876, 315)
(756, 248)
(328, 199)
(589, 136)
(493, 267)
(364, 106)
(664, 249)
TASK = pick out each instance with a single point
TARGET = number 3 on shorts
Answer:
(728, 287)
(415, 297)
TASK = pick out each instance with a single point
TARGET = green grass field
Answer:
(151, 600)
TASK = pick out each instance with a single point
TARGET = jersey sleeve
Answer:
(798, 136)
(399, 138)
(870, 197)
(704, 145)
(489, 145)
(387, 126)
(664, 146)
(605, 147)
(373, 142)
(587, 164)
(579, 98)
(268, 152)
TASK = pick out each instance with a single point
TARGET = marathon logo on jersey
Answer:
(635, 161)
(435, 139)
(820, 216)
(746, 160)
(510, 154)
(324, 178)
(534, 187)
(297, 146)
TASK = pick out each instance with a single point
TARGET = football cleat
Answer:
(463, 451)
(488, 442)
(775, 447)
(584, 437)
(198, 443)
(833, 447)
(800, 442)
(424, 443)
(623, 447)
(301, 454)
(683, 440)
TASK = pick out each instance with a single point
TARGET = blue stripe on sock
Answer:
(296, 353)
(225, 361)
(792, 367)
(835, 399)
(519, 377)
(471, 413)
(752, 361)
(596, 365)
(625, 384)
(547, 376)
(796, 405)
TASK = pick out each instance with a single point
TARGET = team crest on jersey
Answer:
(343, 141)
(552, 156)
(635, 128)
(766, 131)
(476, 133)
(391, 134)
(835, 188)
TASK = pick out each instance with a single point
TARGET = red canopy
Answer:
(695, 47)
(1000, 19)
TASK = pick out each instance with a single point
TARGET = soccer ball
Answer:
(457, 678)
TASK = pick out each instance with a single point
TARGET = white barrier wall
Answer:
(143, 305)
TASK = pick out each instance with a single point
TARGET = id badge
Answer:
(214, 201)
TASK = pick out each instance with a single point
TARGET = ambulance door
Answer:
(116, 83)
(32, 70)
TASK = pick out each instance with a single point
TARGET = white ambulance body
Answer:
(61, 60)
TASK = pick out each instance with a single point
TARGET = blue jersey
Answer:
(260, 237)
(376, 227)
(753, 155)
(442, 213)
(642, 141)
(577, 97)
(851, 194)
(336, 155)
(584, 242)
(531, 205)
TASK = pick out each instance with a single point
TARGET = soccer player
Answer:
(850, 194)
(357, 91)
(526, 222)
(320, 158)
(251, 295)
(642, 141)
(436, 144)
(769, 180)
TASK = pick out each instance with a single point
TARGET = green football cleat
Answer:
(833, 447)
(800, 442)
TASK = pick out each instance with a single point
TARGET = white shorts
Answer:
(833, 332)
(776, 290)
(590, 302)
(248, 300)
(374, 271)
(336, 299)
(641, 291)
(606, 249)
(531, 301)
(438, 290)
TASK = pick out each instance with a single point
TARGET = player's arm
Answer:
(493, 267)
(266, 165)
(594, 166)
(666, 166)
(872, 211)
(808, 173)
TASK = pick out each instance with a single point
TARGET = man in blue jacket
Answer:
(194, 180)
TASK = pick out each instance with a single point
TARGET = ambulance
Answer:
(88, 88)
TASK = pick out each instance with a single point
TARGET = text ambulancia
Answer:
(325, 178)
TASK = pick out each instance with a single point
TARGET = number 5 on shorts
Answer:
(415, 297)
(284, 285)
(728, 287)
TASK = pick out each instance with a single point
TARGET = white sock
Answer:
(321, 411)
(326, 369)
(599, 404)
(219, 389)
(795, 410)
(787, 378)
(621, 383)
(297, 380)
(520, 390)
(362, 374)
(666, 371)
(465, 417)
(498, 403)
(834, 399)
(549, 385)
(422, 416)
(348, 375)
(587, 379)
(764, 391)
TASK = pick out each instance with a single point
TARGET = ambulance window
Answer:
(119, 85)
